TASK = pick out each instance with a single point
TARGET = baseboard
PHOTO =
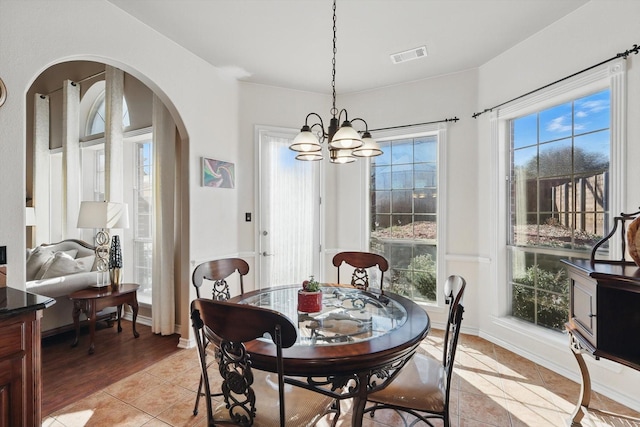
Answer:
(147, 321)
(70, 327)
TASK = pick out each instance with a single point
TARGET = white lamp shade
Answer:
(103, 215)
(306, 142)
(341, 156)
(369, 148)
(346, 137)
(30, 216)
(315, 156)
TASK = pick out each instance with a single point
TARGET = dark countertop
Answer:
(14, 301)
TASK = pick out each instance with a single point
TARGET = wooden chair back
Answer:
(235, 324)
(218, 271)
(361, 261)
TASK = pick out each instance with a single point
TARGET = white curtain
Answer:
(291, 194)
(164, 165)
(41, 168)
(113, 135)
(71, 158)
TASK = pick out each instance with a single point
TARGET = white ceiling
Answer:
(288, 43)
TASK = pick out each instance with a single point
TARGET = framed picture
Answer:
(216, 173)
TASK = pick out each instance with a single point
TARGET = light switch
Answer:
(247, 216)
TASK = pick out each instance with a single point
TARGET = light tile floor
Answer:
(491, 387)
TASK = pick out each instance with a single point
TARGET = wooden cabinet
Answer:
(604, 309)
(20, 358)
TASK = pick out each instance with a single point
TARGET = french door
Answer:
(289, 211)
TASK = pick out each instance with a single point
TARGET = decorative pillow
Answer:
(38, 256)
(86, 263)
(62, 264)
(44, 267)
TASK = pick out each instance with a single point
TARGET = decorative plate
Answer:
(3, 93)
(633, 240)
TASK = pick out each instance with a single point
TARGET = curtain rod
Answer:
(79, 81)
(624, 55)
(455, 119)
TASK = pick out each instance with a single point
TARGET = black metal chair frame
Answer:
(361, 261)
(452, 332)
(216, 271)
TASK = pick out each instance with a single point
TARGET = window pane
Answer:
(592, 153)
(426, 149)
(402, 152)
(402, 177)
(592, 112)
(402, 201)
(425, 201)
(381, 201)
(525, 161)
(555, 158)
(381, 177)
(556, 123)
(425, 175)
(525, 131)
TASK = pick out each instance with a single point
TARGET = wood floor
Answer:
(70, 374)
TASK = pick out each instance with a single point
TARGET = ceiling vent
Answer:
(408, 55)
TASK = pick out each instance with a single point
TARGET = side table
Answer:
(92, 300)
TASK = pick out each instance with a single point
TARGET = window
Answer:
(558, 201)
(404, 214)
(96, 121)
(99, 176)
(143, 214)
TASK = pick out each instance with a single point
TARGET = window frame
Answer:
(439, 130)
(611, 76)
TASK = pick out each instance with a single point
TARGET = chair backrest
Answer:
(361, 261)
(454, 292)
(218, 271)
(236, 324)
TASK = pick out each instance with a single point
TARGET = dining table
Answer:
(355, 345)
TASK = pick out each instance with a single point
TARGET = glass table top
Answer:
(348, 315)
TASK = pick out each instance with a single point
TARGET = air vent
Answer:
(408, 55)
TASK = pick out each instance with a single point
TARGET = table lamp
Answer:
(103, 216)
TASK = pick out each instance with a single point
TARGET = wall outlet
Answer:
(3, 255)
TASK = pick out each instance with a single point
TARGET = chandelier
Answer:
(344, 143)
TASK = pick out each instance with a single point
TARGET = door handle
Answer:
(266, 254)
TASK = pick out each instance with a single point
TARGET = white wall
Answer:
(597, 31)
(204, 103)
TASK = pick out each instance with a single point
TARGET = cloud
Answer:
(591, 107)
(558, 125)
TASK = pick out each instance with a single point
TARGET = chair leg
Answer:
(195, 408)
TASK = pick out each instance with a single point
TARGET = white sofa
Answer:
(57, 270)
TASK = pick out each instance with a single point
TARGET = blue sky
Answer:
(589, 114)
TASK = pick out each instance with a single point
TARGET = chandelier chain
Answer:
(334, 110)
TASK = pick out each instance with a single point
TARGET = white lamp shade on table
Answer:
(103, 215)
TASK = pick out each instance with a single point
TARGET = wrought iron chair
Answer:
(361, 261)
(422, 387)
(252, 397)
(216, 271)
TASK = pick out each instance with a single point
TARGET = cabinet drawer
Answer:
(582, 309)
(11, 339)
